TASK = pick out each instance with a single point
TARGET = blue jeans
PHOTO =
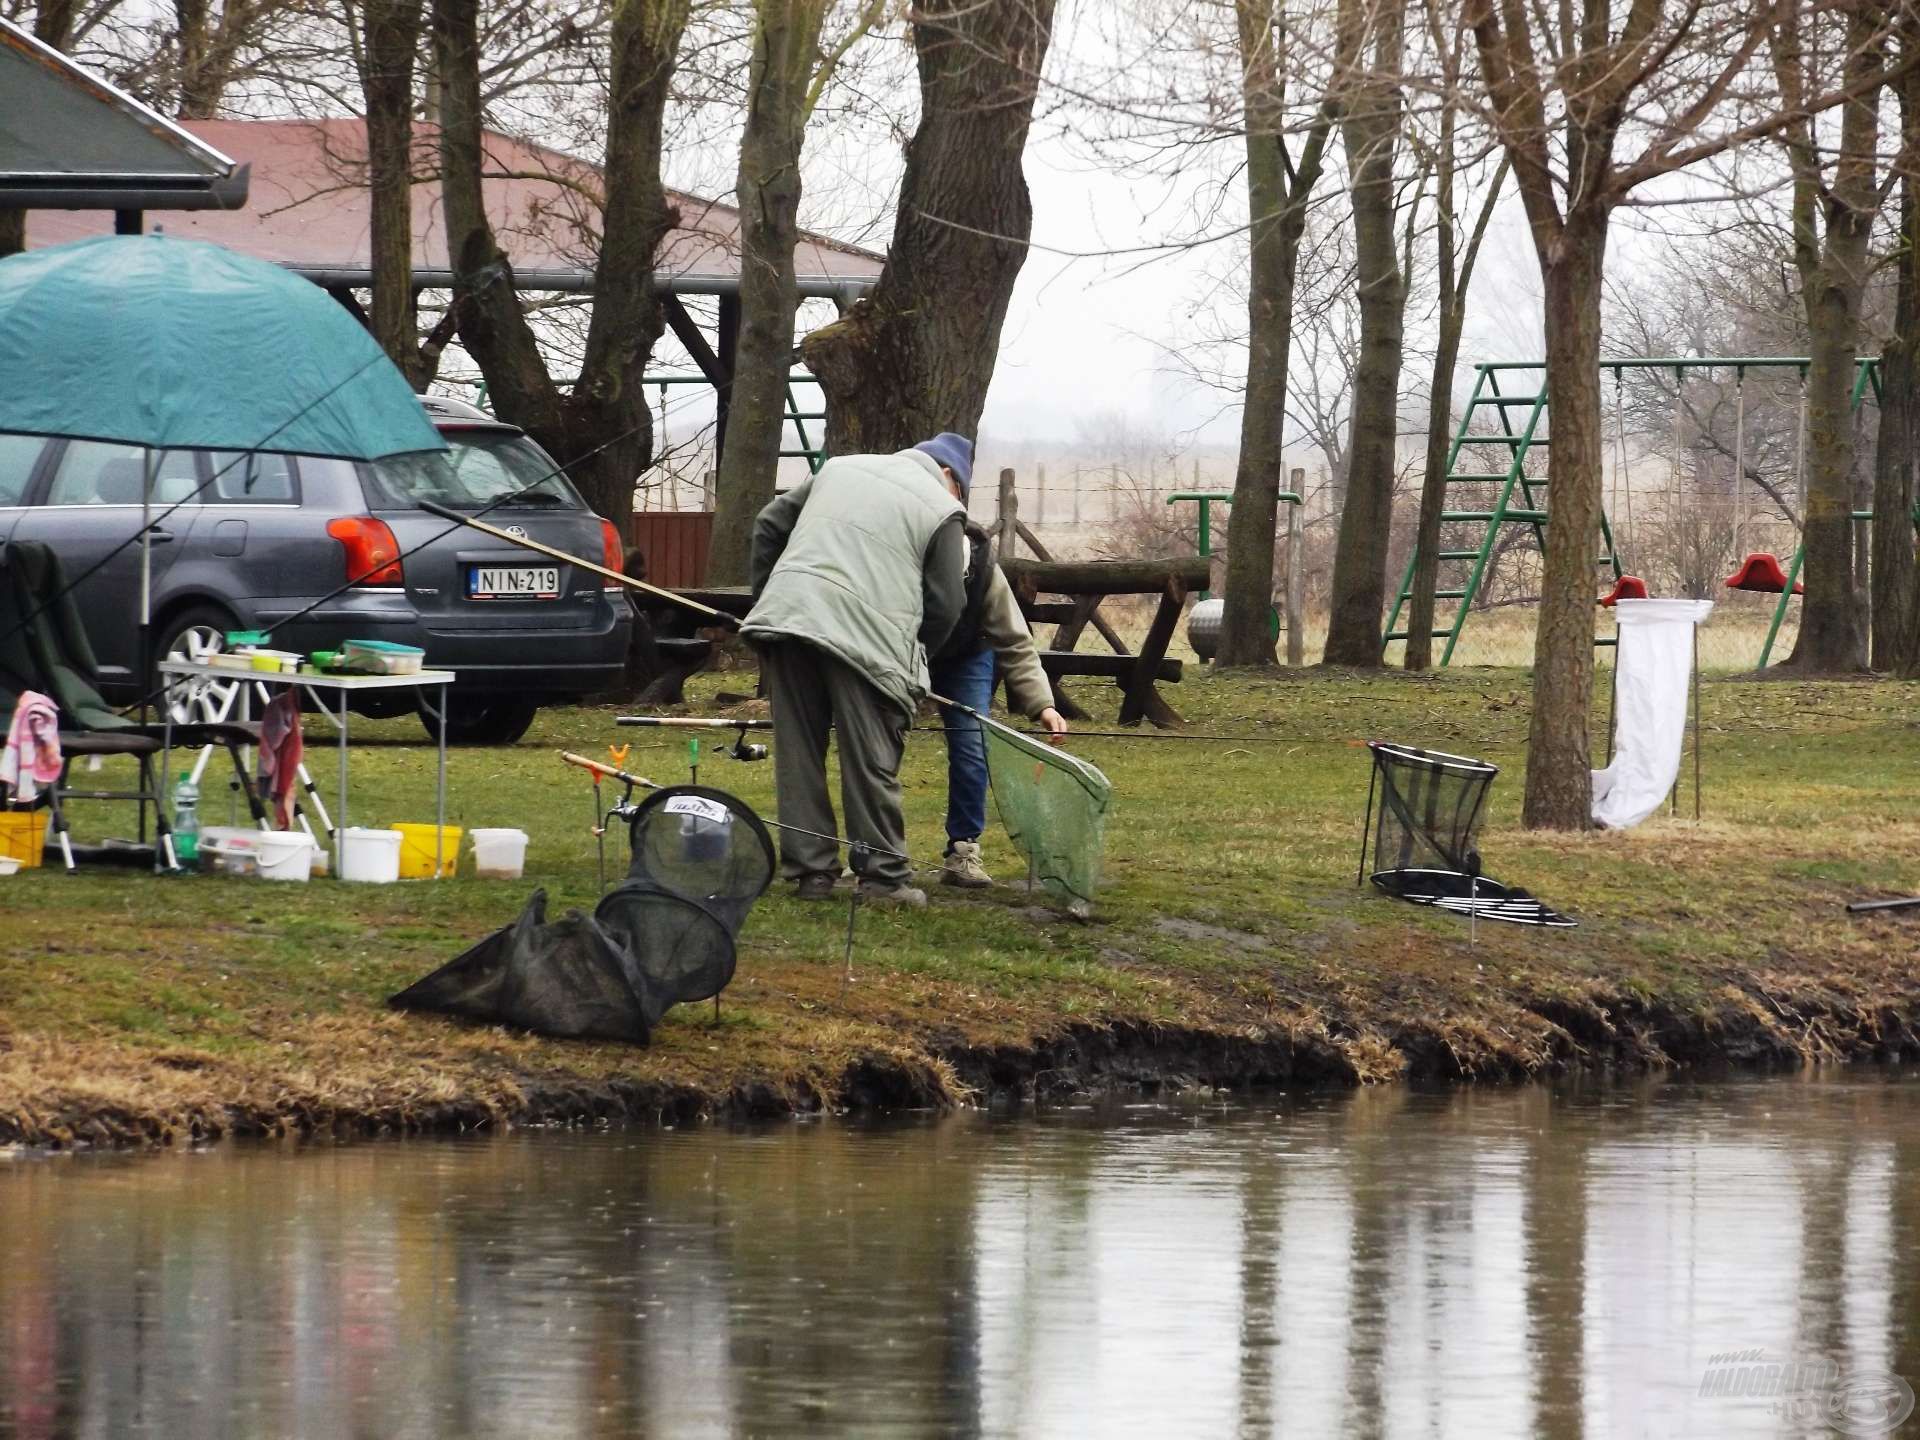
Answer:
(967, 679)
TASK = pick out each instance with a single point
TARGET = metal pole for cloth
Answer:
(440, 798)
(600, 831)
(1366, 823)
(1296, 590)
(1696, 720)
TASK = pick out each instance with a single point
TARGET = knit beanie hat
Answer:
(956, 453)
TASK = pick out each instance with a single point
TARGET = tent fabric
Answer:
(178, 344)
(1653, 670)
(1054, 806)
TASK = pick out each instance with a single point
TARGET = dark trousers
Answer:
(967, 679)
(812, 692)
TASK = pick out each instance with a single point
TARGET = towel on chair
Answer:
(281, 751)
(32, 756)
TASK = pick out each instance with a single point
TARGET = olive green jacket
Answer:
(866, 560)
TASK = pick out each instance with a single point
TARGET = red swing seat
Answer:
(1761, 571)
(1627, 587)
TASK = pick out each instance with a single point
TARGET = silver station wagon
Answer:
(267, 535)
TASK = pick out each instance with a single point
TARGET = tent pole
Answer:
(146, 614)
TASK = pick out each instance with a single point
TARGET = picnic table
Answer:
(673, 647)
(1085, 584)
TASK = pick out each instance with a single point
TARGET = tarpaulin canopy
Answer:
(149, 340)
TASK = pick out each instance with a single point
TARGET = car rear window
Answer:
(250, 479)
(479, 467)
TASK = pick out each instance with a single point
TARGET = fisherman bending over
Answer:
(857, 573)
(963, 670)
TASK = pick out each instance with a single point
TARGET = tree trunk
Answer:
(1433, 486)
(390, 36)
(1369, 130)
(602, 429)
(1831, 636)
(916, 356)
(1559, 749)
(786, 37)
(1278, 219)
(1893, 577)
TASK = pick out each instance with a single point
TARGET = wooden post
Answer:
(1079, 484)
(1009, 515)
(1040, 495)
(1296, 580)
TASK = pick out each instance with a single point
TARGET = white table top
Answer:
(317, 680)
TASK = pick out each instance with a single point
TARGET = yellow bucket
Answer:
(416, 850)
(23, 835)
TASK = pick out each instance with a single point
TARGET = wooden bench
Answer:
(1088, 582)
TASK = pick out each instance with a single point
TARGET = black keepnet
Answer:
(664, 936)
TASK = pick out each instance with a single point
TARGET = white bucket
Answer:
(286, 855)
(370, 855)
(499, 854)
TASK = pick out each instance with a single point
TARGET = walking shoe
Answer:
(963, 867)
(814, 887)
(904, 896)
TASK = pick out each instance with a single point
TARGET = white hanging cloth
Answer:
(1653, 667)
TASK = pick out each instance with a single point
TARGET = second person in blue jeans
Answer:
(991, 639)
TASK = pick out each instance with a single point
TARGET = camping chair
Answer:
(46, 649)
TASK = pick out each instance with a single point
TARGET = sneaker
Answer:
(904, 896)
(964, 868)
(814, 887)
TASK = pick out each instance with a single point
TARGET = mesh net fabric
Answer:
(662, 937)
(1430, 807)
(1054, 806)
(565, 977)
(703, 845)
(1431, 804)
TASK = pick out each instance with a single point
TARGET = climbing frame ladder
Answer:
(1519, 500)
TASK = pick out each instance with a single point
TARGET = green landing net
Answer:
(1054, 806)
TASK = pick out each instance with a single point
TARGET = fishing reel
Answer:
(743, 749)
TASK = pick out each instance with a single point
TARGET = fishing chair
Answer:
(46, 649)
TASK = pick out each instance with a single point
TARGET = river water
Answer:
(1392, 1262)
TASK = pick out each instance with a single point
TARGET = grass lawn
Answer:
(138, 1006)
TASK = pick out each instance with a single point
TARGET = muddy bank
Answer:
(92, 1098)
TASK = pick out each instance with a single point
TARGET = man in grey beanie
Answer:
(857, 573)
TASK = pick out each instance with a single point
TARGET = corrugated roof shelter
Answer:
(70, 141)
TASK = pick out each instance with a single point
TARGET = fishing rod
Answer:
(693, 722)
(719, 617)
(599, 770)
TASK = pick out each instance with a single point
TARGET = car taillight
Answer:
(613, 553)
(373, 555)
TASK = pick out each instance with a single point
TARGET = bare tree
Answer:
(1836, 198)
(787, 75)
(916, 356)
(385, 36)
(1895, 585)
(1453, 273)
(1372, 46)
(1280, 185)
(1562, 85)
(602, 422)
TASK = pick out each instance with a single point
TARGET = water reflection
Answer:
(1391, 1263)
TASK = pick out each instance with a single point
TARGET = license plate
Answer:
(513, 582)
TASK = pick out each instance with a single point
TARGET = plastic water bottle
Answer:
(186, 819)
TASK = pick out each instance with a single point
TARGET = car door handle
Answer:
(157, 536)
